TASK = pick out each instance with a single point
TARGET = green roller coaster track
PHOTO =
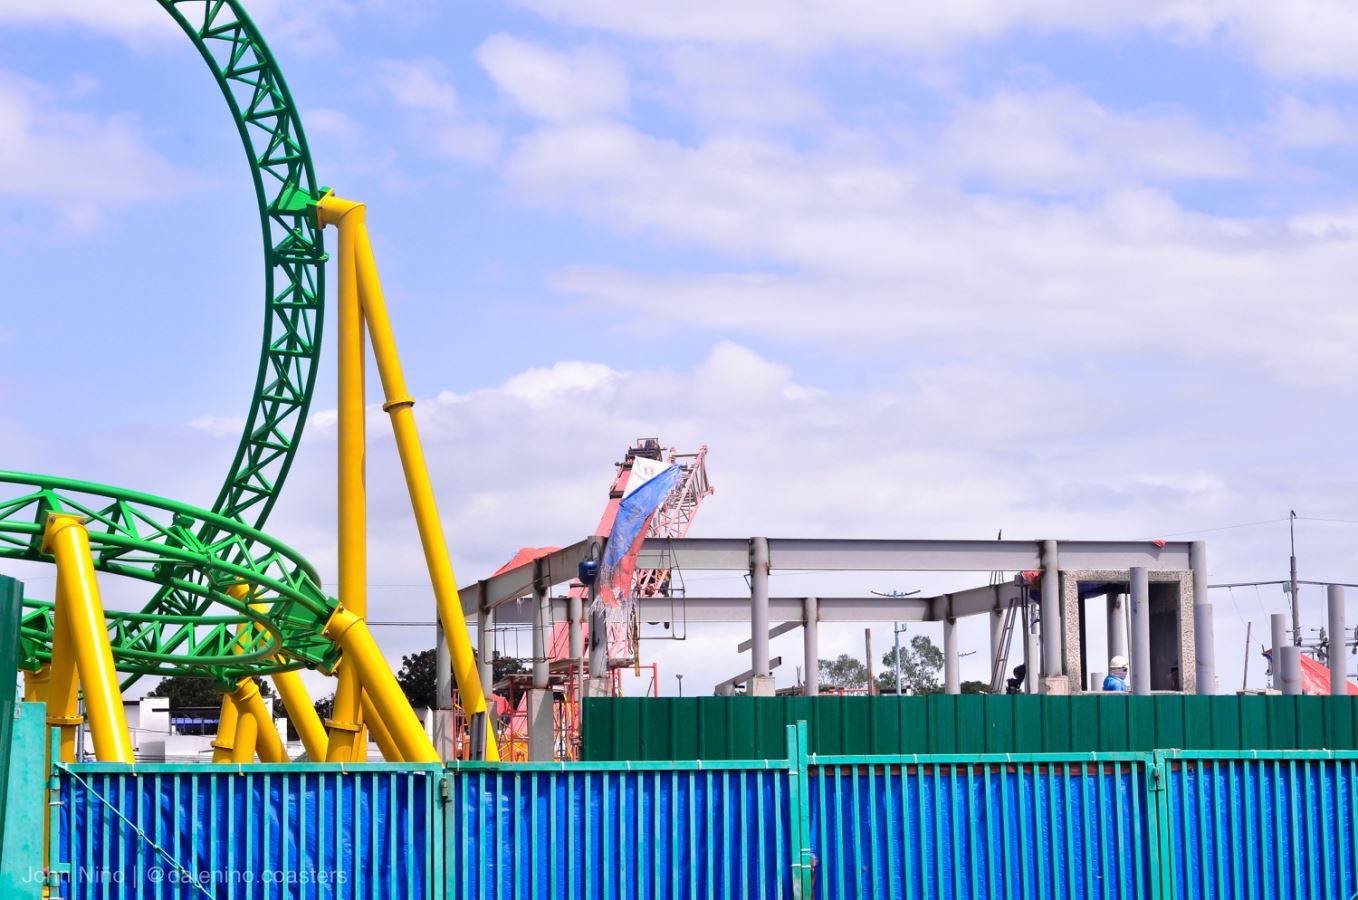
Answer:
(192, 555)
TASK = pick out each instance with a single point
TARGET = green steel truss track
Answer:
(192, 555)
(285, 185)
(159, 541)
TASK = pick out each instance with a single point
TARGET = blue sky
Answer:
(1065, 269)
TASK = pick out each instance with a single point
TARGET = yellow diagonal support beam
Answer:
(79, 602)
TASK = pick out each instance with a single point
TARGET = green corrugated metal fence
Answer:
(712, 728)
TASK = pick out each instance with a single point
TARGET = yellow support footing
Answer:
(35, 683)
(360, 650)
(381, 735)
(250, 705)
(302, 714)
(78, 594)
(63, 686)
(223, 748)
(247, 732)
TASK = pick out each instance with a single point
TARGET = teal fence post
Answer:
(799, 813)
(1158, 844)
(11, 602)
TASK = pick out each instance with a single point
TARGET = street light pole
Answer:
(898, 628)
(1296, 614)
(681, 683)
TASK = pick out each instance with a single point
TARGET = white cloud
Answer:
(736, 89)
(1063, 142)
(424, 90)
(133, 21)
(1300, 38)
(553, 85)
(79, 164)
(416, 84)
(1297, 123)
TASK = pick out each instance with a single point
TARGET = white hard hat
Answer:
(1117, 662)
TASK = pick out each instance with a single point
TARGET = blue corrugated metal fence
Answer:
(263, 832)
(1260, 825)
(1109, 826)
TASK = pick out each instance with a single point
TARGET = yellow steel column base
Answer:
(35, 684)
(360, 651)
(250, 704)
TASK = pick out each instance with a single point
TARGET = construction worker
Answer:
(1117, 675)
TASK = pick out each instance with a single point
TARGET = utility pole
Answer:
(1245, 679)
(896, 627)
(681, 683)
(1296, 589)
(867, 646)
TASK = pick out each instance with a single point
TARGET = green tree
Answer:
(844, 672)
(921, 664)
(975, 687)
(325, 707)
(417, 676)
(188, 691)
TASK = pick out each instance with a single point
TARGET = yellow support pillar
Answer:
(77, 591)
(247, 734)
(390, 703)
(399, 406)
(302, 713)
(381, 735)
(35, 683)
(63, 687)
(346, 740)
(250, 705)
(228, 721)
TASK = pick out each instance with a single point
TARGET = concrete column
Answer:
(541, 725)
(575, 632)
(1204, 634)
(1141, 632)
(1051, 610)
(1277, 626)
(1032, 656)
(542, 624)
(952, 682)
(1117, 626)
(1339, 684)
(1096, 681)
(443, 669)
(598, 643)
(761, 682)
(811, 645)
(485, 651)
(996, 634)
(1291, 670)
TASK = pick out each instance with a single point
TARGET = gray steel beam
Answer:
(557, 567)
(972, 601)
(774, 632)
(863, 555)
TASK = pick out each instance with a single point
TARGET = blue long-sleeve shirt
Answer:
(1114, 683)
